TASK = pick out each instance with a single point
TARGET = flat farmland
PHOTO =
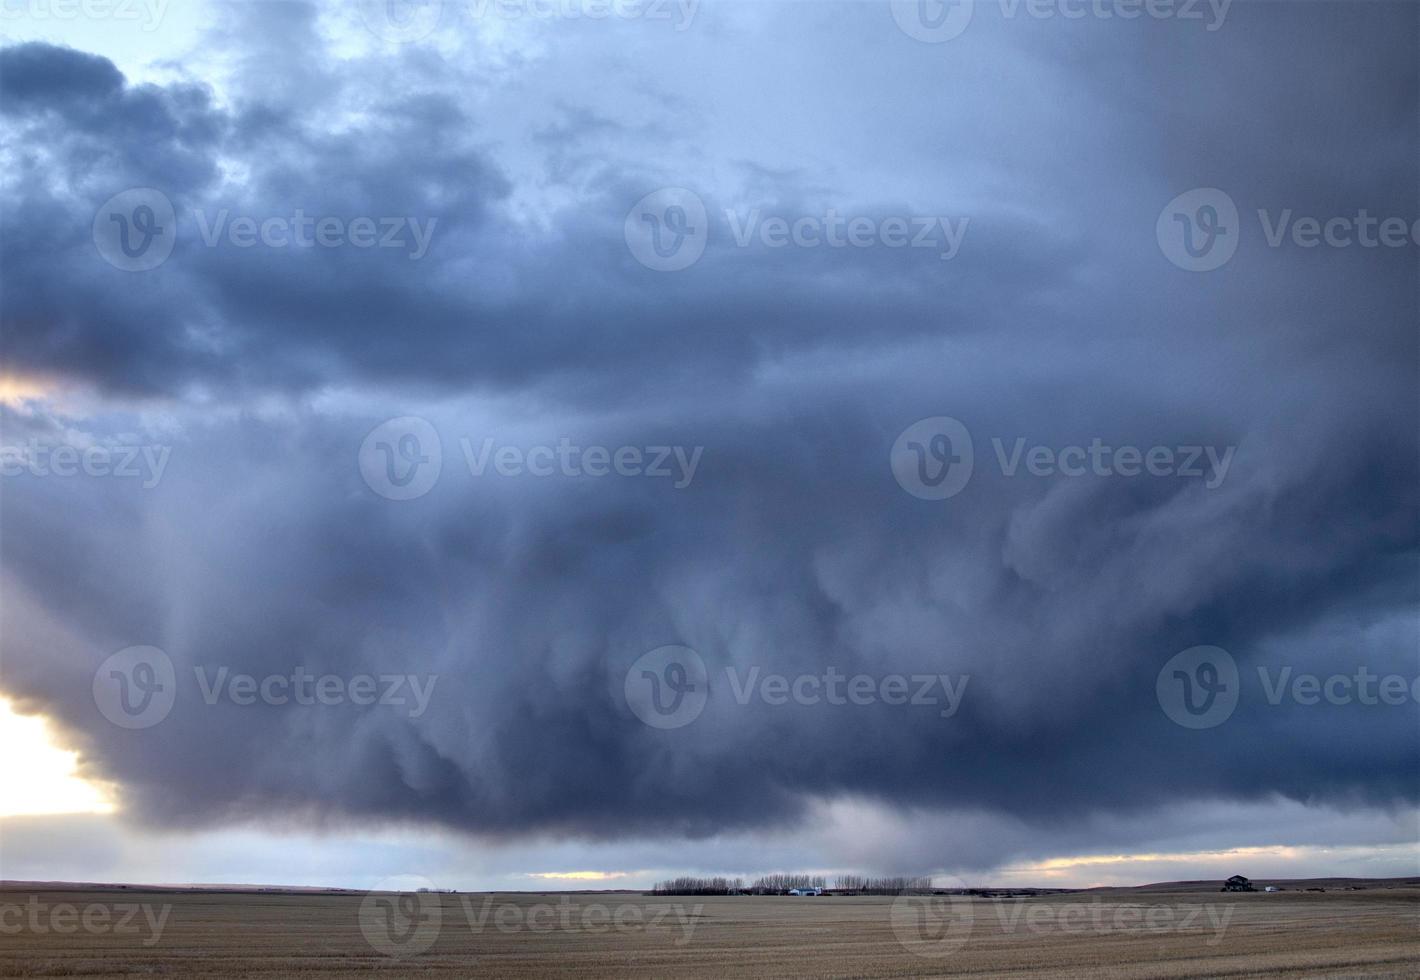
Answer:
(1169, 932)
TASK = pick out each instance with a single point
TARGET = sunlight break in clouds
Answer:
(38, 777)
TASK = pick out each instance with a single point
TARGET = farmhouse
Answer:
(1237, 883)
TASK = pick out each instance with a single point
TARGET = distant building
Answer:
(805, 891)
(1237, 883)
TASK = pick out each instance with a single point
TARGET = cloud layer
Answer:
(523, 145)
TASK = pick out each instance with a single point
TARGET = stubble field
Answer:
(1169, 932)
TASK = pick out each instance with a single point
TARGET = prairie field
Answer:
(1171, 931)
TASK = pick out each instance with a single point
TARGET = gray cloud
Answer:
(793, 549)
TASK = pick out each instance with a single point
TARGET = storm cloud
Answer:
(794, 547)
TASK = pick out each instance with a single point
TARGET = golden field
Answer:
(1173, 931)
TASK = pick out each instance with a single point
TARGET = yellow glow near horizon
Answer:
(580, 875)
(1063, 863)
(1093, 870)
(15, 389)
(36, 776)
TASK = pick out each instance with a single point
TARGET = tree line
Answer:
(893, 885)
(686, 885)
(781, 883)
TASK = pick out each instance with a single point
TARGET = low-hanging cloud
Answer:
(793, 549)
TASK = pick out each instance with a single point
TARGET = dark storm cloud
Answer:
(39, 77)
(495, 296)
(793, 549)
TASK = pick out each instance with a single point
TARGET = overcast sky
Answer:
(553, 385)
